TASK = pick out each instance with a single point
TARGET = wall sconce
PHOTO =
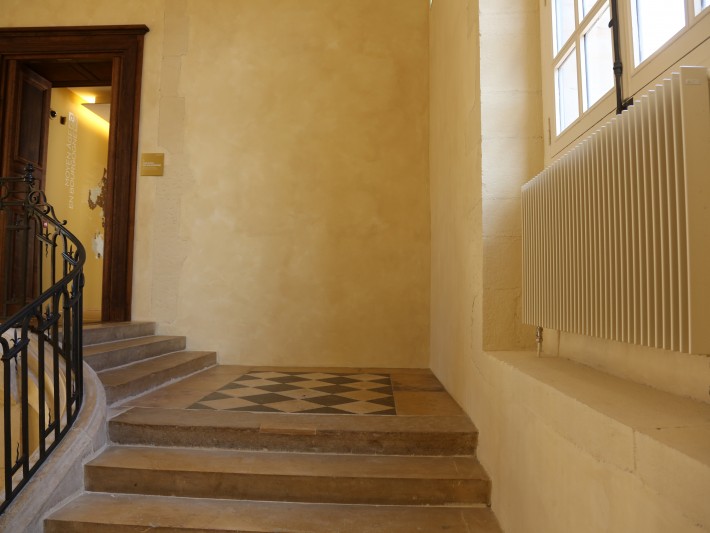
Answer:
(102, 110)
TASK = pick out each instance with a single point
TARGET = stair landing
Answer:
(415, 392)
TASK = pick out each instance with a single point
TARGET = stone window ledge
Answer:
(661, 438)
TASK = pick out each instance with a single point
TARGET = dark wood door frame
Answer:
(123, 46)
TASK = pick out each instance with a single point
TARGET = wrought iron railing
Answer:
(41, 343)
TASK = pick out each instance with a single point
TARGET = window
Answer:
(583, 57)
(567, 91)
(654, 24)
(598, 59)
(564, 22)
(587, 7)
(654, 37)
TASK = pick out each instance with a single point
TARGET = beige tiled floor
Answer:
(416, 391)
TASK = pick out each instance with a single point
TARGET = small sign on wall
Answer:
(152, 164)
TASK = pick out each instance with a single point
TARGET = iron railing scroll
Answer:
(41, 343)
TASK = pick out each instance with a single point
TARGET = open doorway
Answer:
(76, 176)
(35, 60)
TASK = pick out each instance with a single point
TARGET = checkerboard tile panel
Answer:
(304, 392)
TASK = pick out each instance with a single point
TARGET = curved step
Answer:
(391, 435)
(118, 513)
(295, 477)
(140, 377)
(118, 353)
(114, 331)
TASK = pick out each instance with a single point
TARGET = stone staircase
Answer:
(213, 471)
(131, 360)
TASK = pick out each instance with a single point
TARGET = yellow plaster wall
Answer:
(292, 223)
(455, 178)
(309, 192)
(559, 461)
(68, 184)
(512, 152)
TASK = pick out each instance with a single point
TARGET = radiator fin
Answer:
(616, 233)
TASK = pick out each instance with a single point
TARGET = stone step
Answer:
(294, 477)
(118, 353)
(118, 513)
(137, 378)
(366, 434)
(114, 331)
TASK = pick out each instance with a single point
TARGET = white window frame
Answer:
(690, 46)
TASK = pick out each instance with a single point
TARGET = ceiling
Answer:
(90, 80)
(73, 72)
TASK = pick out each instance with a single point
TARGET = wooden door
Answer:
(24, 141)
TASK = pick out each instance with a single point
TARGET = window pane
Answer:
(700, 5)
(567, 91)
(598, 60)
(587, 6)
(563, 12)
(656, 21)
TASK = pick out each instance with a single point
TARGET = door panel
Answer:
(28, 121)
(24, 142)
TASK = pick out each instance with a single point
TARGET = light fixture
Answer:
(103, 110)
(96, 99)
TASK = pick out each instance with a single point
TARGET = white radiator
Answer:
(616, 233)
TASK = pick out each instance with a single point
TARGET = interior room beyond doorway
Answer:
(76, 179)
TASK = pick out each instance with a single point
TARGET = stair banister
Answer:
(41, 332)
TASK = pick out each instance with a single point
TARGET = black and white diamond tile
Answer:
(304, 392)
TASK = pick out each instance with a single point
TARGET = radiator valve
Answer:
(538, 340)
